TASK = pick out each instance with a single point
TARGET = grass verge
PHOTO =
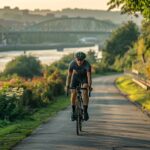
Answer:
(13, 132)
(134, 92)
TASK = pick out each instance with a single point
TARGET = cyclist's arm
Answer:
(89, 78)
(68, 80)
(69, 75)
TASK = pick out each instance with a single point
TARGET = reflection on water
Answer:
(45, 56)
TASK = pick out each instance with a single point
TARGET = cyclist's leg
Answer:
(85, 101)
(73, 103)
(85, 94)
(74, 84)
(73, 99)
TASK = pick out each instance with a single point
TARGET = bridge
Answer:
(73, 24)
(58, 30)
(58, 46)
(46, 39)
(53, 32)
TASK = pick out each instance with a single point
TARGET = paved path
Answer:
(115, 124)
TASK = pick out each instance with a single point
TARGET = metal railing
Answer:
(139, 79)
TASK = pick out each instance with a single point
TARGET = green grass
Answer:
(14, 132)
(134, 92)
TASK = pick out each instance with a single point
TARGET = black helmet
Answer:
(80, 55)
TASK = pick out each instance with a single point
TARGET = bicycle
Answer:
(79, 109)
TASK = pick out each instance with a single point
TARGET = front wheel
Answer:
(80, 125)
(78, 122)
(81, 119)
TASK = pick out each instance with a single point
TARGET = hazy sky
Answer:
(55, 4)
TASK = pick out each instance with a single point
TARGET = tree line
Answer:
(128, 45)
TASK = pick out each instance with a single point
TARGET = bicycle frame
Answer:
(79, 108)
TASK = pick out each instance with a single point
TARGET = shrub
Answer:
(19, 97)
(22, 96)
(56, 83)
(147, 70)
(11, 106)
(101, 67)
(91, 57)
(24, 66)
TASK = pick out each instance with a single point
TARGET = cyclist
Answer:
(79, 72)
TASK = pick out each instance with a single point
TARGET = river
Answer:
(45, 56)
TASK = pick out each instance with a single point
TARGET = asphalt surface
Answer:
(114, 124)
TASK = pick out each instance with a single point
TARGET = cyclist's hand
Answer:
(66, 89)
(90, 88)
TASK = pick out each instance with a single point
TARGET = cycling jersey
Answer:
(79, 73)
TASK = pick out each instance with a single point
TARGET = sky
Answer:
(55, 4)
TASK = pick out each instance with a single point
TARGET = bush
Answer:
(19, 97)
(11, 106)
(148, 71)
(22, 96)
(101, 68)
(24, 66)
(56, 83)
(91, 57)
(61, 65)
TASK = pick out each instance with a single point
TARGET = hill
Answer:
(20, 19)
(113, 16)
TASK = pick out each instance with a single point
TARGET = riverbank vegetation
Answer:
(29, 94)
(135, 51)
(27, 85)
(12, 132)
(130, 45)
(134, 92)
(117, 46)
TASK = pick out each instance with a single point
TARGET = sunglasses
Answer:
(79, 59)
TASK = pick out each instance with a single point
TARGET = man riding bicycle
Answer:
(79, 72)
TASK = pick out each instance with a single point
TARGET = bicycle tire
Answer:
(81, 119)
(78, 122)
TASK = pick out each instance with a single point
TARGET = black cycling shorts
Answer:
(76, 82)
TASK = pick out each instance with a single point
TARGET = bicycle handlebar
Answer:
(79, 89)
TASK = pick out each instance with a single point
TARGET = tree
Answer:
(140, 47)
(146, 33)
(91, 57)
(16, 8)
(25, 12)
(120, 41)
(132, 6)
(7, 8)
(24, 66)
